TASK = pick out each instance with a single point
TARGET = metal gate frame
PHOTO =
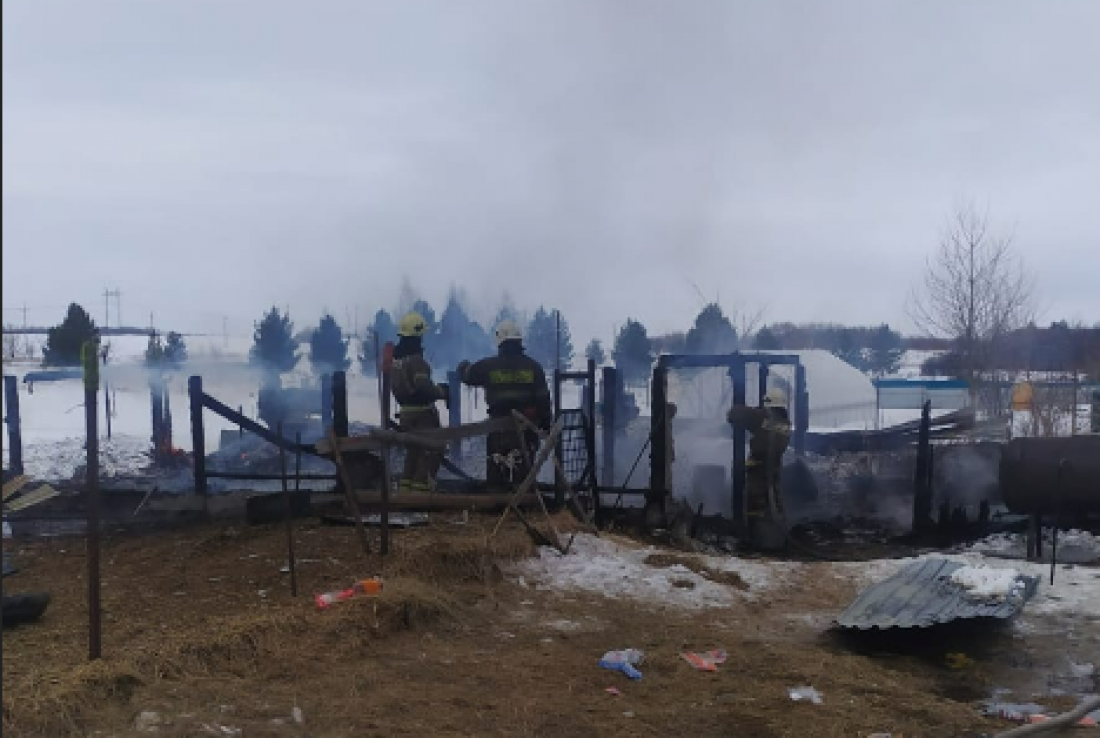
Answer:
(587, 414)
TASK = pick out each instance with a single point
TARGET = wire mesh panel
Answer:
(574, 446)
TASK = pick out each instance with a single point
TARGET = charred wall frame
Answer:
(737, 366)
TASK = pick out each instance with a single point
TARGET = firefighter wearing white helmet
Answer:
(508, 331)
(770, 427)
(416, 394)
(512, 381)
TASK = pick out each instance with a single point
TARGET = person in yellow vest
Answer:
(770, 427)
(416, 395)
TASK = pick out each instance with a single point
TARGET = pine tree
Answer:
(594, 351)
(633, 353)
(64, 342)
(175, 350)
(154, 352)
(712, 333)
(381, 331)
(328, 351)
(274, 348)
(544, 342)
(885, 351)
(767, 340)
(848, 351)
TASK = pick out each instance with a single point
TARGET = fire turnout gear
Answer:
(775, 397)
(508, 331)
(413, 325)
(771, 434)
(512, 381)
(416, 393)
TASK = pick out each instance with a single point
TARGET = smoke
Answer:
(966, 475)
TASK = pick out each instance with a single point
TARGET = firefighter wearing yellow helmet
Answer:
(512, 381)
(770, 427)
(416, 394)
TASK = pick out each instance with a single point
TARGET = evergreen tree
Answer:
(594, 351)
(458, 337)
(712, 333)
(274, 348)
(545, 344)
(849, 351)
(633, 352)
(766, 340)
(382, 328)
(154, 352)
(885, 351)
(328, 351)
(64, 342)
(175, 350)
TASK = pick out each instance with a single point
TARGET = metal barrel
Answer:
(1029, 474)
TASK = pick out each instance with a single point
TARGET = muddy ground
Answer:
(202, 636)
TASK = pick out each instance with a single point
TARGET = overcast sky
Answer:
(211, 157)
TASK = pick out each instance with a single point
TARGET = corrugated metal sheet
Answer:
(922, 595)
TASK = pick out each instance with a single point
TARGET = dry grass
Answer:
(201, 629)
(665, 560)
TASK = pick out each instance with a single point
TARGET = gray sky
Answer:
(212, 157)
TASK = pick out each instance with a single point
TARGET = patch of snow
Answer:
(604, 566)
(983, 581)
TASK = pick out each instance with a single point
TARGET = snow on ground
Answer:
(616, 569)
(1074, 546)
(611, 568)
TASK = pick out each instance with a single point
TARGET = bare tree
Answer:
(976, 289)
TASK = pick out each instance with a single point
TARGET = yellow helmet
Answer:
(413, 325)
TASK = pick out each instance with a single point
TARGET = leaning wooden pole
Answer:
(90, 356)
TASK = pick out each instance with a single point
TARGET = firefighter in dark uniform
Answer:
(416, 394)
(512, 381)
(770, 427)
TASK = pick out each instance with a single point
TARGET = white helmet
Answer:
(775, 397)
(508, 331)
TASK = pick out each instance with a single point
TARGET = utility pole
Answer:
(225, 330)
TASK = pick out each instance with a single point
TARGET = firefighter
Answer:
(770, 427)
(411, 382)
(512, 381)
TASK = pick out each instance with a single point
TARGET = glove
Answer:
(445, 389)
(462, 368)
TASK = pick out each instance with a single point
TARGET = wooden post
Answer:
(166, 416)
(737, 482)
(454, 414)
(15, 434)
(326, 402)
(384, 545)
(340, 404)
(289, 512)
(922, 487)
(559, 480)
(349, 490)
(802, 408)
(91, 388)
(155, 400)
(590, 436)
(658, 454)
(198, 438)
(610, 400)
